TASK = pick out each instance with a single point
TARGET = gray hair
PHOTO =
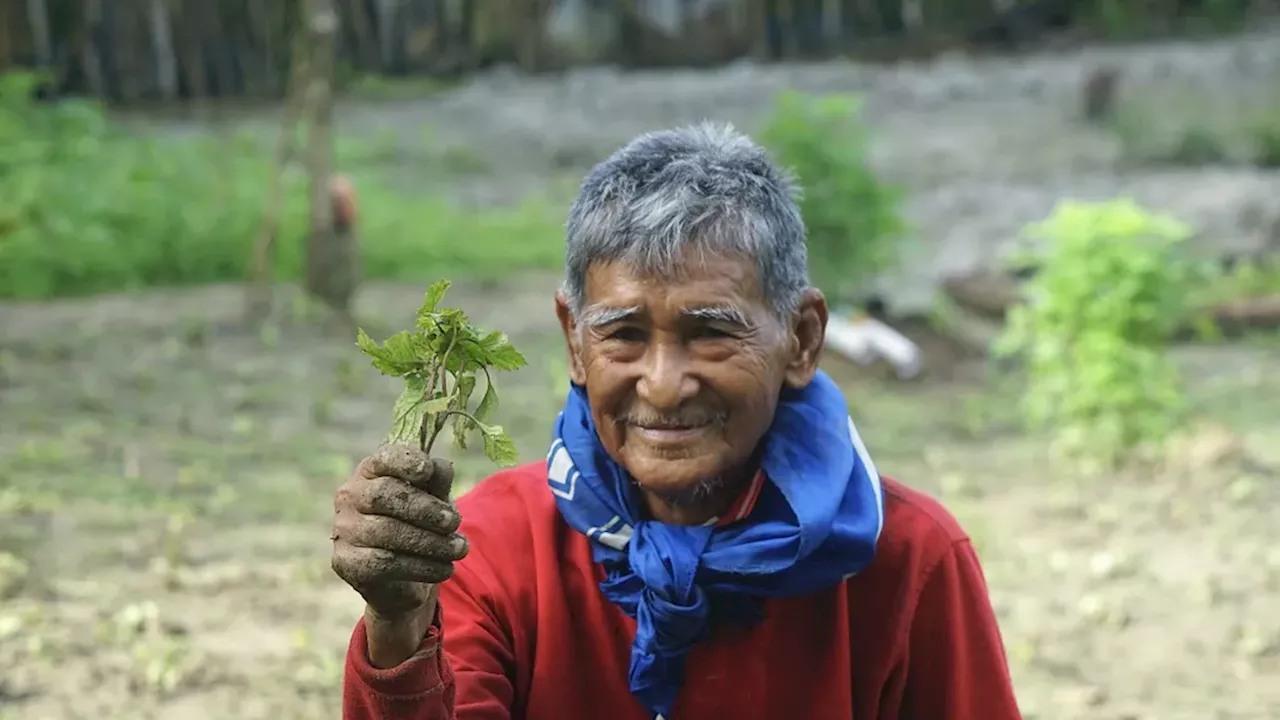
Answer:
(705, 187)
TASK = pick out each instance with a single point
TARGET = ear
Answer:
(572, 339)
(808, 335)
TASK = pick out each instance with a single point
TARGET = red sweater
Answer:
(528, 634)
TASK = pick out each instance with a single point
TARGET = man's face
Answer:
(683, 374)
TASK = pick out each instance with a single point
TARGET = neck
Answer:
(700, 504)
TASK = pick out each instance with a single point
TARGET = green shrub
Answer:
(1111, 290)
(1190, 146)
(1248, 279)
(1125, 20)
(87, 208)
(852, 217)
(1266, 145)
(1198, 146)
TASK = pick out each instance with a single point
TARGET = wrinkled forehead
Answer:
(698, 280)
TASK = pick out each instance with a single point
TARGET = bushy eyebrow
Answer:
(727, 314)
(596, 316)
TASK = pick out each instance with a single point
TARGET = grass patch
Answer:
(86, 208)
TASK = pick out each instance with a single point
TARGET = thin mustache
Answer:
(663, 422)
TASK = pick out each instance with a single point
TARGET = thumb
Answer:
(408, 463)
(439, 481)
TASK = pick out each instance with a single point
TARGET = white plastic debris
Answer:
(864, 340)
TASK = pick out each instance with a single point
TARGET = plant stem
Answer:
(440, 426)
(443, 377)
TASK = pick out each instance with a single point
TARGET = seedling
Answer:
(440, 362)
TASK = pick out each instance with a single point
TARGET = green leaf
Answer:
(438, 404)
(464, 388)
(445, 345)
(412, 408)
(434, 295)
(397, 356)
(367, 345)
(498, 447)
(500, 353)
(488, 403)
(461, 423)
(463, 354)
(408, 412)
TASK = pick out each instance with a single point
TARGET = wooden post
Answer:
(258, 300)
(162, 43)
(38, 18)
(89, 51)
(321, 23)
(332, 263)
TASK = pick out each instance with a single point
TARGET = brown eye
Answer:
(706, 332)
(626, 334)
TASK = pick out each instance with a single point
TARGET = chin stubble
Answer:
(698, 494)
(703, 490)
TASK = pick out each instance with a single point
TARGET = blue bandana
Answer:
(815, 523)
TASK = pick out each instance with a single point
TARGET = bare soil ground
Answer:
(166, 478)
(165, 485)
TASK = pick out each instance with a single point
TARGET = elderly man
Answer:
(708, 537)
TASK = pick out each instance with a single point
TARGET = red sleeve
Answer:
(956, 665)
(468, 681)
(421, 688)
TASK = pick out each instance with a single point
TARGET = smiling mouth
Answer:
(668, 434)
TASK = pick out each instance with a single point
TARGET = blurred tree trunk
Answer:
(258, 302)
(265, 42)
(363, 44)
(162, 41)
(530, 45)
(90, 57)
(755, 20)
(332, 267)
(6, 43)
(126, 47)
(38, 18)
(388, 13)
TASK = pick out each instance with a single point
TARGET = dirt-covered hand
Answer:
(395, 531)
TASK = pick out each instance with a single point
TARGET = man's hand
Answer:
(394, 538)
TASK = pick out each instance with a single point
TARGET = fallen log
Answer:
(1250, 314)
(990, 295)
(984, 293)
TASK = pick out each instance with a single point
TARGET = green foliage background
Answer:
(86, 207)
(852, 216)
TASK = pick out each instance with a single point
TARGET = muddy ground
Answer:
(165, 476)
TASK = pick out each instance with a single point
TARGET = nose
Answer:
(666, 381)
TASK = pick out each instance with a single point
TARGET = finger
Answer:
(399, 460)
(363, 567)
(393, 498)
(380, 531)
(412, 465)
